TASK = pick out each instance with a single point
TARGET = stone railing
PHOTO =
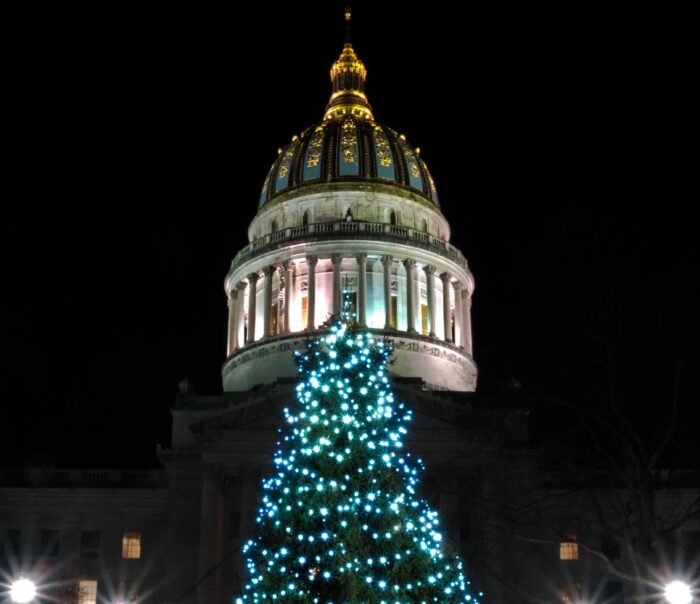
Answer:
(70, 478)
(349, 230)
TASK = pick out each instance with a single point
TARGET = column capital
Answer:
(409, 263)
(253, 277)
(457, 286)
(312, 260)
(288, 265)
(241, 285)
(336, 259)
(268, 271)
(445, 277)
(233, 295)
(361, 257)
(429, 270)
(387, 260)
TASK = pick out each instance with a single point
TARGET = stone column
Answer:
(311, 261)
(430, 290)
(362, 290)
(336, 259)
(410, 266)
(467, 321)
(232, 309)
(211, 534)
(445, 277)
(459, 340)
(268, 271)
(387, 262)
(239, 338)
(288, 276)
(280, 300)
(252, 295)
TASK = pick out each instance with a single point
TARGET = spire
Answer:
(348, 20)
(348, 75)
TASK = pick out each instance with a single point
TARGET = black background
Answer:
(138, 142)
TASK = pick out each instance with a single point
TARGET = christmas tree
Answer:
(341, 521)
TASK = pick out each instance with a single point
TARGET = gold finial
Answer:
(348, 18)
(348, 76)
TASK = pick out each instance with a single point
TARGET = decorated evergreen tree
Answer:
(341, 520)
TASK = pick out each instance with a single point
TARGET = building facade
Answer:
(348, 207)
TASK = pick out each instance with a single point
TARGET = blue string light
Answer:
(340, 519)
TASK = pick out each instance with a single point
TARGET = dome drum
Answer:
(412, 293)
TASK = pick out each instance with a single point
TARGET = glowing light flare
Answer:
(23, 590)
(678, 592)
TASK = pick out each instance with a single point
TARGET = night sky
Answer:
(139, 143)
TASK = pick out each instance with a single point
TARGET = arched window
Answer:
(424, 225)
(305, 219)
(348, 216)
(274, 227)
(392, 218)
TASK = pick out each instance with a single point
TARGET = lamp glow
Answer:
(678, 592)
(23, 590)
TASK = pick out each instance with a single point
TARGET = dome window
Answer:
(392, 218)
(275, 227)
(305, 219)
(348, 216)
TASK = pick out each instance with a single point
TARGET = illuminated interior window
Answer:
(88, 592)
(394, 310)
(568, 550)
(131, 546)
(304, 311)
(424, 319)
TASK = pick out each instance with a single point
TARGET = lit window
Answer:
(394, 310)
(568, 550)
(88, 592)
(304, 311)
(131, 546)
(424, 319)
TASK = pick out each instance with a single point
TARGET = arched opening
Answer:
(392, 218)
(348, 215)
(305, 219)
(274, 227)
(424, 225)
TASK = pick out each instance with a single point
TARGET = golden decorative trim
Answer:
(383, 148)
(315, 148)
(348, 141)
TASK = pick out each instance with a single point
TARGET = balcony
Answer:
(355, 229)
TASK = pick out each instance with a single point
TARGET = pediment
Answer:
(433, 411)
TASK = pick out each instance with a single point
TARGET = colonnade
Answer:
(241, 325)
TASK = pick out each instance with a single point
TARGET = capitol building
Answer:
(348, 208)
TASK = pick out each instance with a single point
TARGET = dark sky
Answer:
(139, 142)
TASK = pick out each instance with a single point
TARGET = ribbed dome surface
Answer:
(348, 148)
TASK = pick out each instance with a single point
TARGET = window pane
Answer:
(88, 592)
(10, 544)
(131, 546)
(424, 319)
(614, 593)
(304, 311)
(50, 541)
(90, 544)
(568, 550)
